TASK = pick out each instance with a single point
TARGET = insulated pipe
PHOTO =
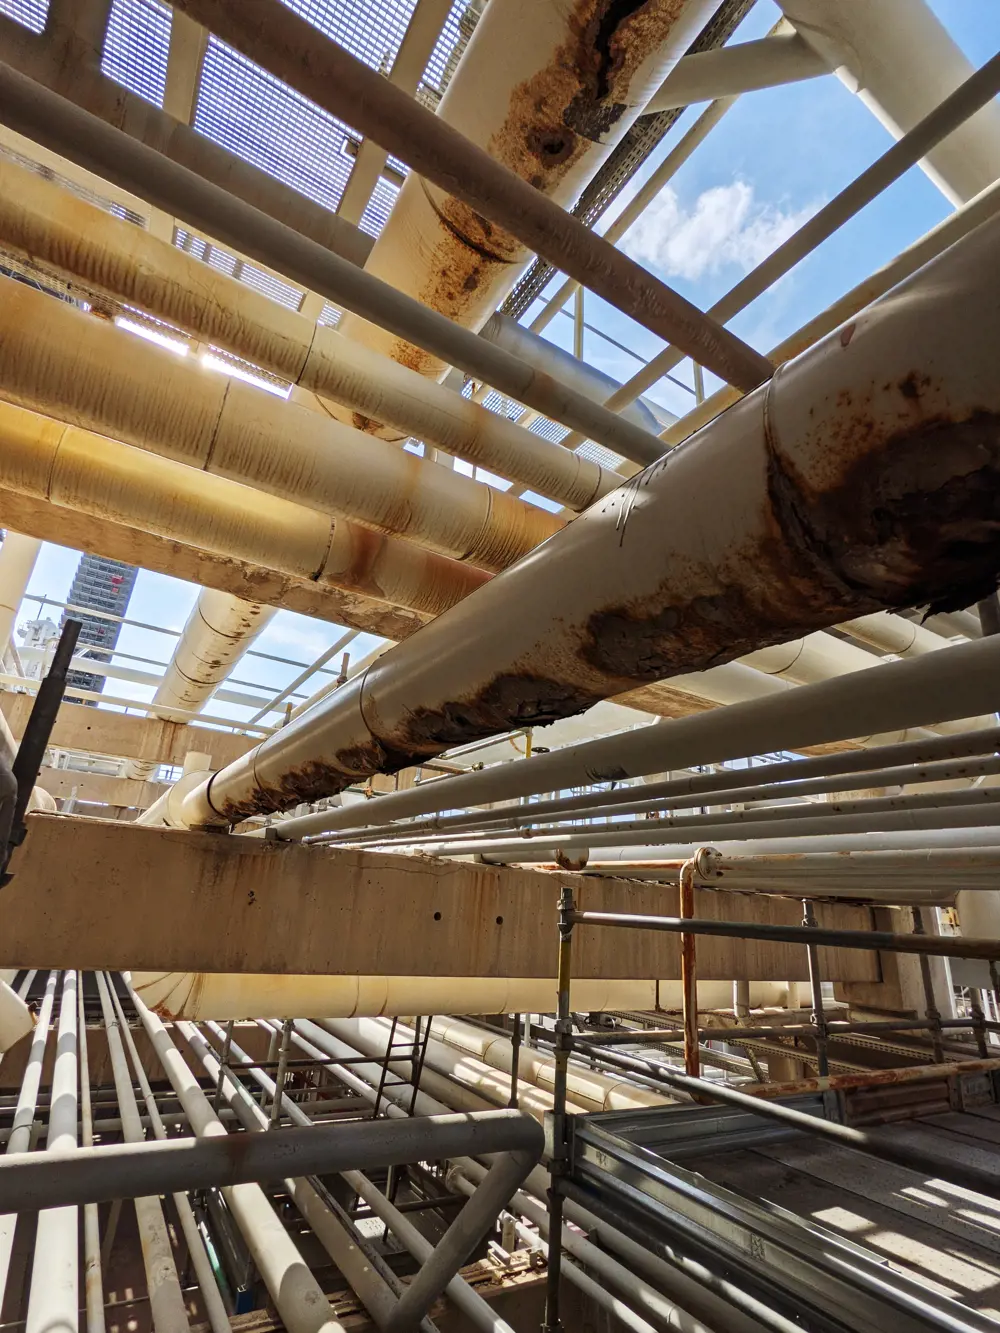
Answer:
(54, 1294)
(297, 1295)
(904, 693)
(82, 138)
(86, 473)
(591, 1090)
(894, 634)
(814, 523)
(17, 561)
(521, 157)
(89, 373)
(58, 58)
(92, 1281)
(505, 332)
(78, 240)
(902, 62)
(218, 632)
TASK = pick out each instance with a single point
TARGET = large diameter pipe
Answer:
(900, 59)
(477, 194)
(814, 521)
(83, 138)
(218, 633)
(79, 240)
(91, 374)
(84, 473)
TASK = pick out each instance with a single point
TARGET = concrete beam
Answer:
(100, 788)
(125, 736)
(92, 894)
(117, 541)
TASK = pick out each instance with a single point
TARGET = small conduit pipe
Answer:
(91, 374)
(78, 240)
(813, 525)
(86, 473)
(590, 1090)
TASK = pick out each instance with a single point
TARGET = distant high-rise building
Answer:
(101, 585)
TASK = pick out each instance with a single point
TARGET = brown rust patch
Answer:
(581, 97)
(914, 521)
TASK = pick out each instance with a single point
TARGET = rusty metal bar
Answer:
(882, 940)
(818, 1016)
(286, 46)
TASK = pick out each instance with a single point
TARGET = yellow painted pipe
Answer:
(78, 240)
(87, 372)
(81, 471)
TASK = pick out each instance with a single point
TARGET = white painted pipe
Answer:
(899, 58)
(740, 67)
(54, 1295)
(591, 1090)
(296, 1294)
(17, 562)
(548, 104)
(225, 995)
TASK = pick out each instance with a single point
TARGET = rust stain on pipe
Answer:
(554, 119)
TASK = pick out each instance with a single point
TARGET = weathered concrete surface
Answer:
(95, 894)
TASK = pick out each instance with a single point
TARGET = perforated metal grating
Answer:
(242, 270)
(32, 13)
(74, 187)
(136, 47)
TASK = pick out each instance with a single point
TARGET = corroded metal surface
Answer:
(847, 485)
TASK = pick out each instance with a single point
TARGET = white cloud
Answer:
(726, 227)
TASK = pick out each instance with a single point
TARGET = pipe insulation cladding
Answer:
(863, 476)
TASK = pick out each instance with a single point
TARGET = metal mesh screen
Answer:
(136, 47)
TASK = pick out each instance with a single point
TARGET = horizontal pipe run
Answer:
(936, 687)
(879, 1145)
(85, 139)
(137, 270)
(901, 776)
(885, 941)
(347, 88)
(855, 763)
(639, 1036)
(30, 1181)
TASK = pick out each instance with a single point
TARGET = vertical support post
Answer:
(578, 329)
(689, 973)
(279, 1078)
(818, 1016)
(699, 382)
(515, 1057)
(931, 1009)
(557, 1120)
(223, 1066)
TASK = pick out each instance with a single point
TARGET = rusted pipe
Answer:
(483, 186)
(861, 477)
(872, 1078)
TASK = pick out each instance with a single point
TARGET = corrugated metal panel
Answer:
(136, 47)
(32, 13)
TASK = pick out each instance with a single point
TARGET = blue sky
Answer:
(777, 156)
